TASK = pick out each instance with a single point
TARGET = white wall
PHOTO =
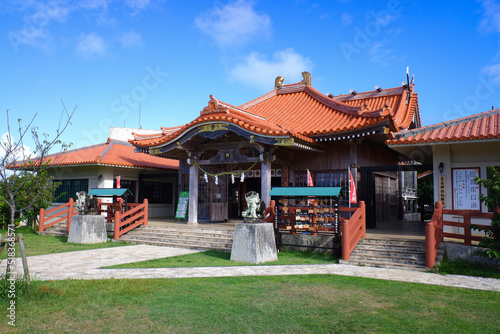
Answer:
(108, 174)
(463, 155)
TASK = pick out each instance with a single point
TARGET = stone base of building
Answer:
(311, 243)
(456, 251)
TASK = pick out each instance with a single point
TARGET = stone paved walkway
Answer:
(86, 264)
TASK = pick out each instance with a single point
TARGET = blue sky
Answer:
(111, 58)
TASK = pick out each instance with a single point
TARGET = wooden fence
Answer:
(130, 219)
(57, 215)
(353, 229)
(434, 230)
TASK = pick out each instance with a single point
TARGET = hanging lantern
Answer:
(206, 178)
(216, 179)
(242, 177)
(232, 178)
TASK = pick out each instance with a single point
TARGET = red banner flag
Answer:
(353, 198)
(118, 182)
(309, 179)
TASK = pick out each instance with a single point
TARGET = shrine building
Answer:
(276, 138)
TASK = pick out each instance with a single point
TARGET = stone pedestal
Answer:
(90, 229)
(254, 243)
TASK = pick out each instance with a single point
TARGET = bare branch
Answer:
(20, 167)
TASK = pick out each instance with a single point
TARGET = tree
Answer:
(42, 185)
(491, 242)
(23, 173)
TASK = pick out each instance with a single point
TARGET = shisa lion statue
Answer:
(85, 204)
(255, 207)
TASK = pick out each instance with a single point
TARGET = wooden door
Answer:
(218, 204)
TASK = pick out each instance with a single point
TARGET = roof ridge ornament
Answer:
(386, 110)
(278, 82)
(364, 109)
(307, 78)
(214, 107)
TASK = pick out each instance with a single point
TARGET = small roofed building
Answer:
(459, 151)
(100, 165)
(274, 139)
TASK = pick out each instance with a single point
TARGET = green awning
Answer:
(109, 191)
(307, 191)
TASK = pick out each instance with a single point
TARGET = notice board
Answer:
(182, 205)
(465, 190)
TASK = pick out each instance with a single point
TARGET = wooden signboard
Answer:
(182, 205)
(442, 190)
(465, 190)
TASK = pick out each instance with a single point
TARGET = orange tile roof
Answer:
(482, 126)
(309, 112)
(301, 111)
(112, 153)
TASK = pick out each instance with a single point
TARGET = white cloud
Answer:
(260, 72)
(138, 4)
(7, 141)
(491, 16)
(94, 4)
(131, 39)
(236, 23)
(493, 72)
(38, 16)
(90, 45)
(346, 19)
(34, 31)
(379, 53)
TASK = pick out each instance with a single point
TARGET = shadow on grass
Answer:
(226, 256)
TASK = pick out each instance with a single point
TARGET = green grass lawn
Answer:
(213, 258)
(280, 304)
(45, 244)
(464, 267)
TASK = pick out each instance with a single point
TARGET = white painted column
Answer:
(441, 153)
(265, 179)
(193, 195)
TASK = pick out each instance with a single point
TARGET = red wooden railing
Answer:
(130, 219)
(269, 213)
(353, 229)
(46, 219)
(434, 233)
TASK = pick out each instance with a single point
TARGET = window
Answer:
(130, 185)
(156, 192)
(69, 188)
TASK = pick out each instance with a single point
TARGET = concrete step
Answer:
(390, 253)
(190, 238)
(420, 254)
(55, 233)
(394, 242)
(59, 230)
(389, 265)
(181, 237)
(184, 232)
(164, 242)
(389, 259)
(393, 247)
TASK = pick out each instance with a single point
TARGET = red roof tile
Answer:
(476, 127)
(112, 153)
(301, 111)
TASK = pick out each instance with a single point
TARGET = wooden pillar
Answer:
(193, 195)
(265, 179)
